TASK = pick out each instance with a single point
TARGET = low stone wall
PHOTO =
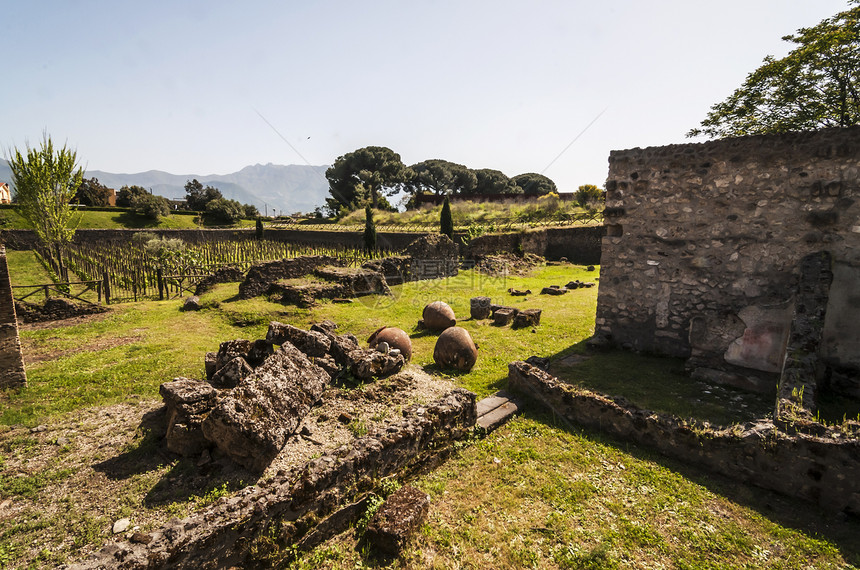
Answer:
(579, 245)
(12, 372)
(296, 509)
(823, 469)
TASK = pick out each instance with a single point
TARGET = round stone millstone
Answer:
(438, 316)
(455, 349)
(395, 337)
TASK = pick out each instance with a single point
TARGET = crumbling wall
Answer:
(11, 363)
(704, 242)
(580, 245)
(822, 469)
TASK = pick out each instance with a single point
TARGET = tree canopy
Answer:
(534, 184)
(91, 192)
(441, 177)
(197, 197)
(368, 173)
(816, 85)
(490, 181)
(127, 194)
(46, 182)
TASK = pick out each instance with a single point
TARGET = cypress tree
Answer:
(446, 221)
(369, 229)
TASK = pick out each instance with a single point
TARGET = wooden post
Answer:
(106, 280)
(159, 273)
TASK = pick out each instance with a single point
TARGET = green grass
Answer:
(9, 219)
(26, 269)
(537, 495)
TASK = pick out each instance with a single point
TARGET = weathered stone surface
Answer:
(504, 316)
(229, 375)
(251, 423)
(217, 537)
(394, 268)
(355, 281)
(438, 316)
(704, 230)
(304, 293)
(210, 364)
(12, 374)
(527, 318)
(325, 327)
(395, 337)
(230, 349)
(397, 519)
(191, 303)
(519, 293)
(433, 256)
(479, 307)
(455, 349)
(261, 276)
(341, 346)
(553, 291)
(188, 402)
(260, 351)
(310, 342)
(812, 468)
(327, 363)
(366, 364)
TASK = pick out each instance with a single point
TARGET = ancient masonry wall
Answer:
(12, 372)
(703, 245)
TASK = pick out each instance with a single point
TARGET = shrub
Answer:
(150, 206)
(224, 210)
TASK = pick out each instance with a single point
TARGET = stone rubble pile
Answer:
(255, 396)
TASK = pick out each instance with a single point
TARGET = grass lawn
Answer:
(532, 494)
(107, 220)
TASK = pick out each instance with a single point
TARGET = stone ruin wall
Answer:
(704, 242)
(11, 363)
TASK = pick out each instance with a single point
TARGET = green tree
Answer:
(197, 197)
(441, 177)
(816, 85)
(150, 206)
(45, 183)
(368, 173)
(534, 184)
(588, 194)
(491, 181)
(250, 211)
(225, 211)
(446, 222)
(91, 192)
(369, 229)
(127, 194)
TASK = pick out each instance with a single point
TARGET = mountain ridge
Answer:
(280, 188)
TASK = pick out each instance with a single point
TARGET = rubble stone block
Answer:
(260, 351)
(252, 422)
(230, 349)
(366, 364)
(527, 318)
(341, 346)
(479, 307)
(229, 375)
(553, 291)
(188, 402)
(210, 364)
(504, 316)
(312, 343)
(397, 519)
(191, 303)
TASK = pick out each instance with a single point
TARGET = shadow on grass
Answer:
(183, 479)
(135, 221)
(840, 529)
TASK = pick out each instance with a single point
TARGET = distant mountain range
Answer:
(287, 189)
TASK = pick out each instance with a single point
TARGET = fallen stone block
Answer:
(260, 351)
(519, 293)
(191, 304)
(341, 346)
(479, 307)
(229, 375)
(394, 524)
(366, 364)
(504, 316)
(210, 364)
(553, 290)
(252, 422)
(527, 318)
(188, 402)
(228, 350)
(312, 343)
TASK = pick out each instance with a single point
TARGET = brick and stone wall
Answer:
(704, 242)
(580, 245)
(11, 363)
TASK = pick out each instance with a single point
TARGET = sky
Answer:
(209, 87)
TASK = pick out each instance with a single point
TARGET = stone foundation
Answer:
(12, 372)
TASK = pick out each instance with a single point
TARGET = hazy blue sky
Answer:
(181, 86)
